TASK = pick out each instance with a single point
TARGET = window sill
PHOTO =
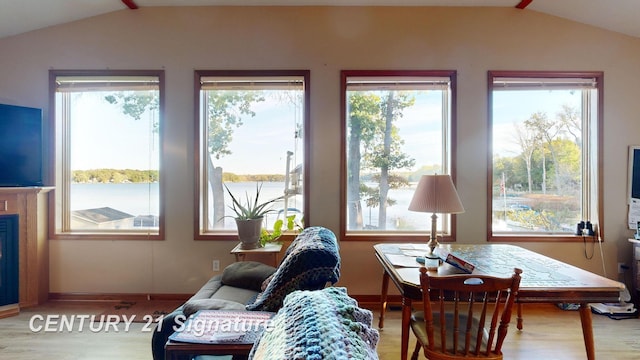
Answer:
(126, 236)
(540, 238)
(394, 238)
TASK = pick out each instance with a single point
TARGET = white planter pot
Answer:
(249, 233)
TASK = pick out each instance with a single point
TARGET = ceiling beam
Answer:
(523, 4)
(130, 4)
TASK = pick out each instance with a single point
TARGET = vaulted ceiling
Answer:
(18, 16)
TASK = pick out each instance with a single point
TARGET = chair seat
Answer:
(464, 316)
(419, 329)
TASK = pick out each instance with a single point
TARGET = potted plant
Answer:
(249, 217)
(278, 228)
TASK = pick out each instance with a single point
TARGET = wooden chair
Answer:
(461, 313)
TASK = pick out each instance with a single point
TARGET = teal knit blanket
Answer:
(318, 325)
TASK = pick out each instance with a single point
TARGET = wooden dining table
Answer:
(544, 280)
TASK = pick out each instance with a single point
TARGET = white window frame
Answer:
(273, 79)
(592, 135)
(402, 80)
(60, 228)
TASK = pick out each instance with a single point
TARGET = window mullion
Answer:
(66, 161)
(446, 122)
(204, 153)
(446, 156)
(586, 154)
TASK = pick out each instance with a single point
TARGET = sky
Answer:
(266, 137)
(276, 136)
(98, 139)
(517, 106)
(269, 136)
(420, 128)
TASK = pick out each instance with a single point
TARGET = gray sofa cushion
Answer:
(232, 293)
(246, 274)
(215, 289)
(191, 306)
(209, 288)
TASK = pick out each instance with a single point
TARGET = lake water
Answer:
(132, 198)
(142, 199)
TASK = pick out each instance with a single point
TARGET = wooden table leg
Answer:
(519, 322)
(587, 330)
(406, 320)
(383, 298)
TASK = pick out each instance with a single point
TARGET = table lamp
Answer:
(435, 194)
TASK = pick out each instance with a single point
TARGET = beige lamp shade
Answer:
(436, 194)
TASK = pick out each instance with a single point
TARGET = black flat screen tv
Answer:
(21, 145)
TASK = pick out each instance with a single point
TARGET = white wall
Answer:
(324, 40)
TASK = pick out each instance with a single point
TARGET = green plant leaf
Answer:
(252, 208)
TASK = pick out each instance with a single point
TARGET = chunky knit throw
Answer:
(318, 325)
(311, 261)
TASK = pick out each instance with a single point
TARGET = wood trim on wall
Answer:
(116, 297)
(371, 302)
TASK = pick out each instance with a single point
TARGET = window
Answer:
(397, 126)
(545, 138)
(252, 131)
(108, 129)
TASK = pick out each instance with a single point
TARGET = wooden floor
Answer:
(549, 333)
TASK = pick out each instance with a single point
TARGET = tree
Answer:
(225, 110)
(538, 137)
(566, 165)
(544, 131)
(135, 103)
(364, 111)
(371, 195)
(548, 131)
(569, 119)
(528, 141)
(374, 144)
(389, 156)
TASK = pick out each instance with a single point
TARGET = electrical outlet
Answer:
(621, 268)
(216, 265)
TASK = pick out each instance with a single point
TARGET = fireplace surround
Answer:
(30, 206)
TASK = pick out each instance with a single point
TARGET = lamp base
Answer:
(432, 245)
(431, 259)
(429, 263)
(432, 256)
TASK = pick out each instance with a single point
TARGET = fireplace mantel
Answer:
(31, 206)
